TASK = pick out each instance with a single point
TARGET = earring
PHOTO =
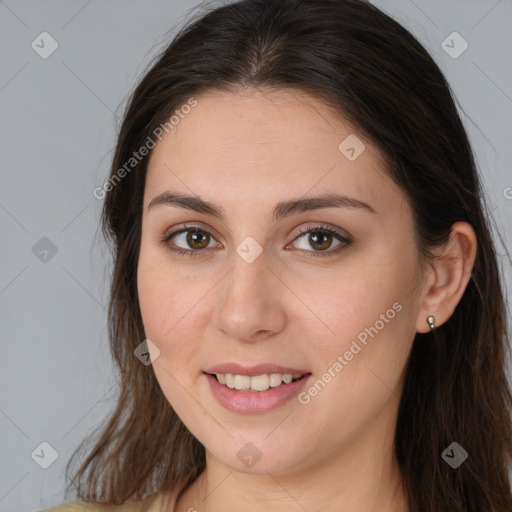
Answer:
(431, 321)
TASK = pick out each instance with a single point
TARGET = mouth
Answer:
(255, 390)
(255, 383)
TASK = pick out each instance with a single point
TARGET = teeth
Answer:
(276, 379)
(230, 380)
(256, 383)
(242, 382)
(260, 382)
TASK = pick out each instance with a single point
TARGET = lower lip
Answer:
(255, 401)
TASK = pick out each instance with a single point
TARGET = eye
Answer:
(192, 237)
(198, 239)
(321, 238)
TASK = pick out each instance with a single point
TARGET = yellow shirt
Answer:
(150, 504)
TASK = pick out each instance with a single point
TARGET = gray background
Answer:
(58, 122)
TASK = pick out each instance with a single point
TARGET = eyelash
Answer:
(305, 230)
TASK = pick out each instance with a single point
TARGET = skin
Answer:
(246, 152)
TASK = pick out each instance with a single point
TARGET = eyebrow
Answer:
(282, 209)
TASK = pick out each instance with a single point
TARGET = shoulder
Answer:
(149, 504)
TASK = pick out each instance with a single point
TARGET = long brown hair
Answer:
(371, 70)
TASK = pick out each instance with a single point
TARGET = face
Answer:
(253, 293)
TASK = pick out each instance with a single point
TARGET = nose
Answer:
(251, 302)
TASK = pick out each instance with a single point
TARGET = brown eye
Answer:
(193, 240)
(190, 241)
(321, 238)
(197, 239)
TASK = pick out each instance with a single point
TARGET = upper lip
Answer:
(251, 371)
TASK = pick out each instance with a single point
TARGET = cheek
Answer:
(369, 313)
(363, 292)
(162, 298)
(359, 369)
(153, 300)
(169, 308)
(164, 310)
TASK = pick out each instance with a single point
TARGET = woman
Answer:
(306, 307)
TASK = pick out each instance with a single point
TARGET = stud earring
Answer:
(431, 322)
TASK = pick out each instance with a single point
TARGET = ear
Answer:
(451, 270)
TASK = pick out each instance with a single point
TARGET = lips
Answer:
(254, 389)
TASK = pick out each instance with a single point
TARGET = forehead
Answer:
(275, 142)
(253, 122)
